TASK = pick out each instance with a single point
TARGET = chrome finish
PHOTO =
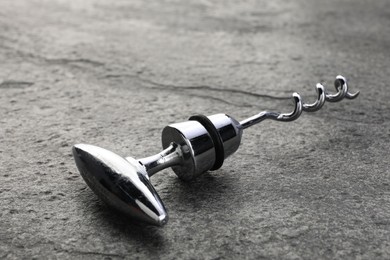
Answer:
(123, 184)
(340, 85)
(319, 102)
(197, 147)
(191, 148)
(230, 131)
(198, 151)
(171, 156)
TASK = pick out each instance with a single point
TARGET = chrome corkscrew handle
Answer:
(191, 148)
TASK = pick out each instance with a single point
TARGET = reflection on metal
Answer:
(191, 148)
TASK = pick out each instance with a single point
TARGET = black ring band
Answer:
(215, 137)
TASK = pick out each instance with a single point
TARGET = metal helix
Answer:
(340, 85)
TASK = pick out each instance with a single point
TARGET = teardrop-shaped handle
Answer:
(123, 184)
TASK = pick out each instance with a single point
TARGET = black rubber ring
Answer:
(215, 137)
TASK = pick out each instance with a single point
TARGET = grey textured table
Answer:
(114, 74)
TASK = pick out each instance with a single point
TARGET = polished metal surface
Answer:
(171, 156)
(230, 131)
(198, 151)
(198, 154)
(123, 184)
(191, 148)
(340, 85)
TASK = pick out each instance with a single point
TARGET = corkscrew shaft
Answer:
(340, 85)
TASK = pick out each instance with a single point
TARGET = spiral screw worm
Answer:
(340, 85)
(191, 148)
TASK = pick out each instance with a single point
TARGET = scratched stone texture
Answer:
(114, 73)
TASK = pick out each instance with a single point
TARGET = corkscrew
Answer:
(192, 147)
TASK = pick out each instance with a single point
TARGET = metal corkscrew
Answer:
(191, 148)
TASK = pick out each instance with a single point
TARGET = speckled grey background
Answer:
(115, 73)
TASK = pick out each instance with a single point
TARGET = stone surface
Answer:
(115, 73)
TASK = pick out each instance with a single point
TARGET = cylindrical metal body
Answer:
(198, 144)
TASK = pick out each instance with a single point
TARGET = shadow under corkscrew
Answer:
(191, 148)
